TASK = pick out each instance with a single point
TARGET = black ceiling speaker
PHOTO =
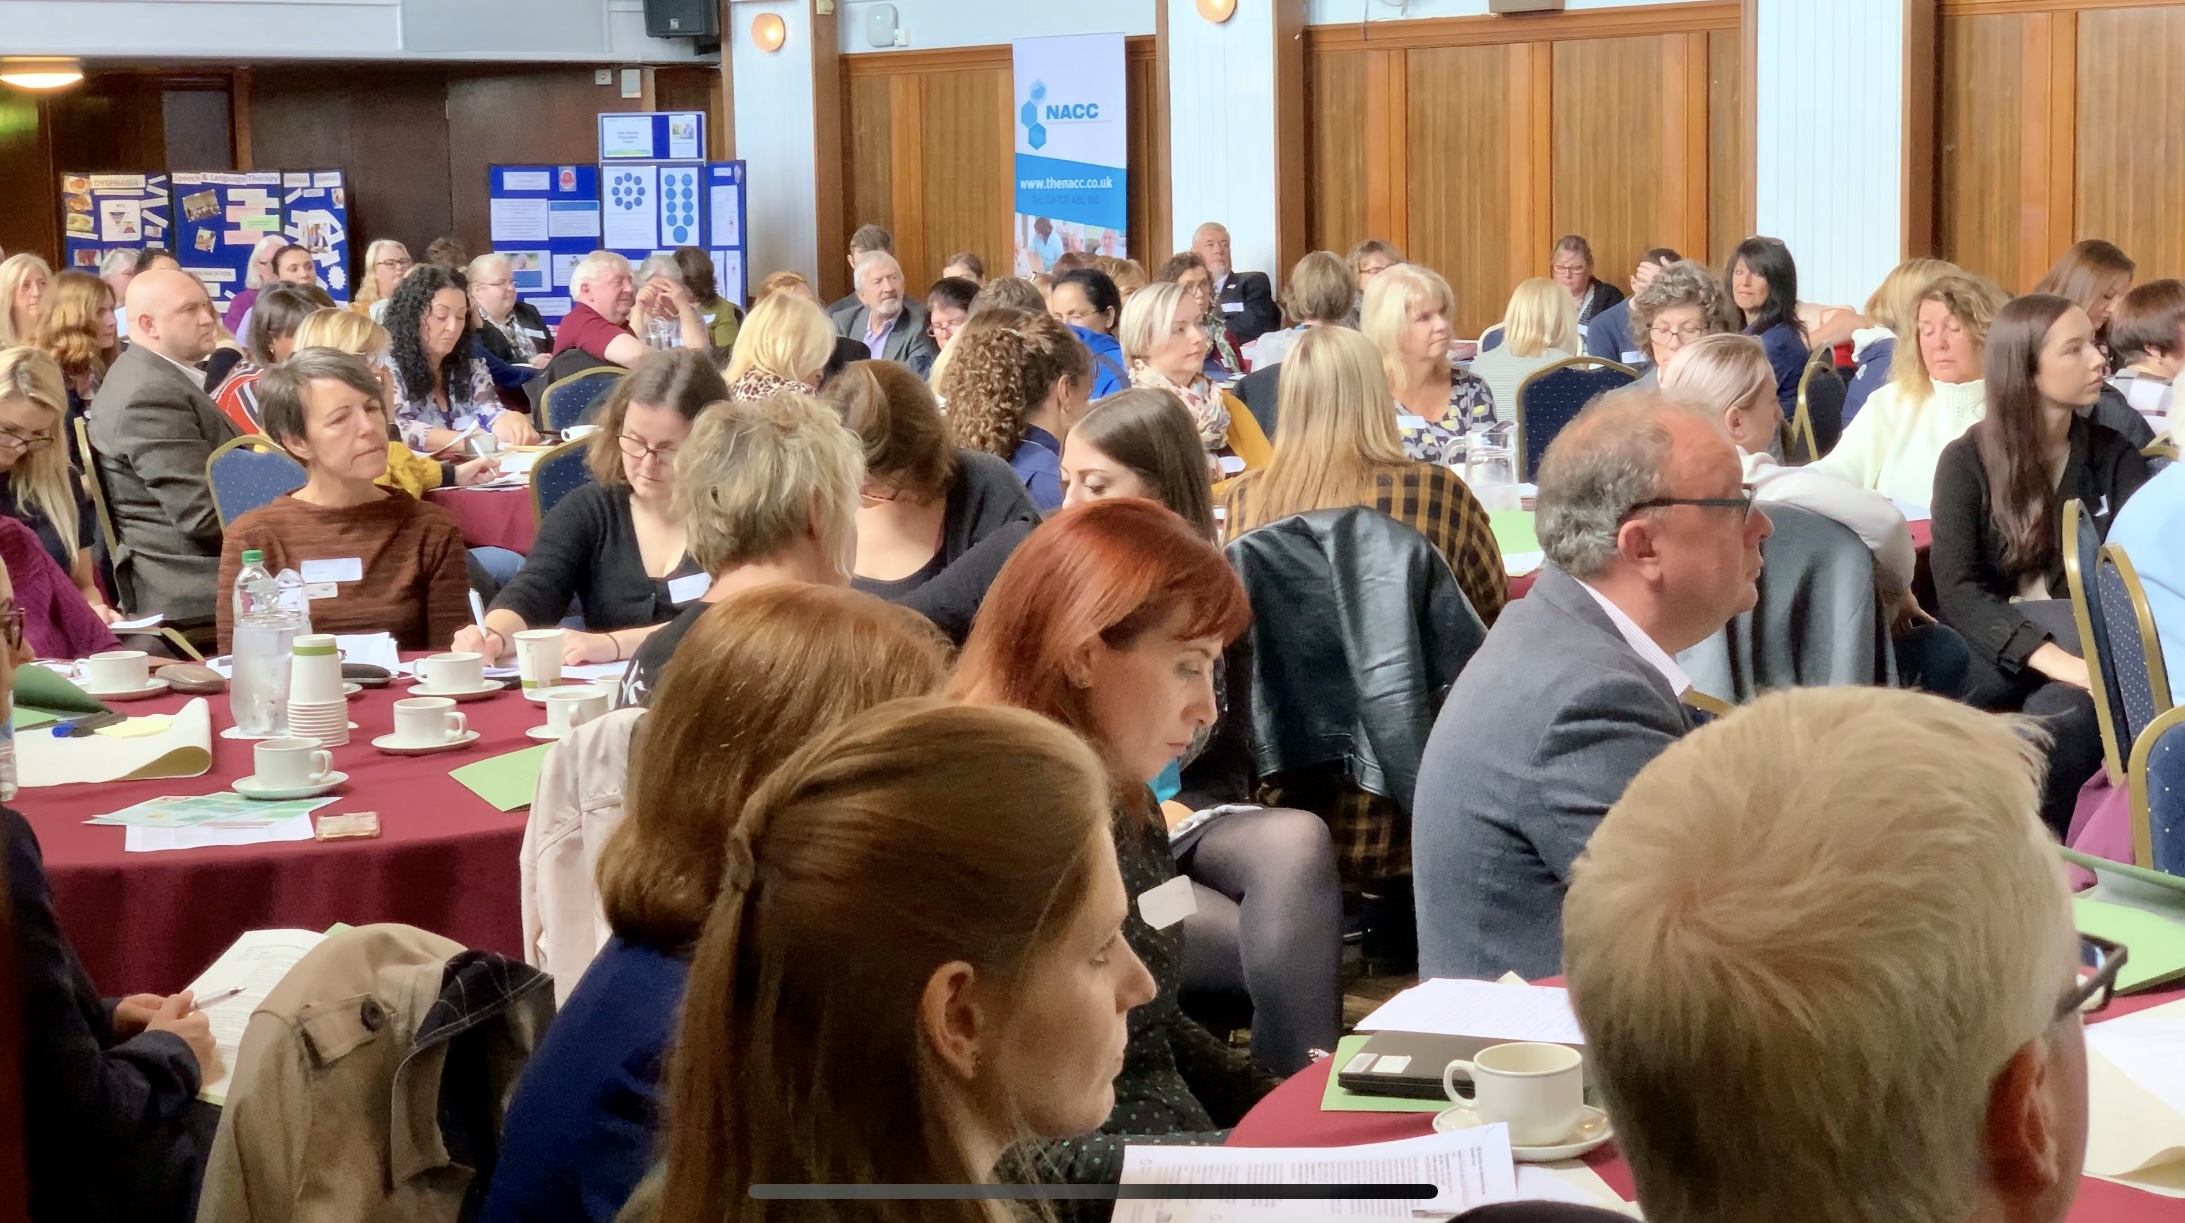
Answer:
(683, 18)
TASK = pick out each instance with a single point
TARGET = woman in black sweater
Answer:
(615, 545)
(1998, 551)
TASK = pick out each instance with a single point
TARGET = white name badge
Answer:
(1410, 422)
(1633, 358)
(1232, 307)
(321, 590)
(684, 589)
(346, 569)
(1168, 904)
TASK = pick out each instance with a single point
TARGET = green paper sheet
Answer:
(1338, 1100)
(1514, 531)
(44, 689)
(2156, 942)
(31, 719)
(506, 781)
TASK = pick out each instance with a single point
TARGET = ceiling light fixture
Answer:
(40, 72)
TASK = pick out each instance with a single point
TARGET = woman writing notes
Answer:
(442, 388)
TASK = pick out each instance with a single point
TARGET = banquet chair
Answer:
(1490, 338)
(247, 472)
(1816, 622)
(574, 399)
(2156, 789)
(2082, 561)
(558, 473)
(2135, 656)
(1553, 396)
(1812, 431)
(109, 538)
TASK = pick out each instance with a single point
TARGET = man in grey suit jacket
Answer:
(1652, 547)
(888, 324)
(153, 427)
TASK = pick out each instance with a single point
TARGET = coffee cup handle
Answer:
(322, 766)
(459, 724)
(1449, 1079)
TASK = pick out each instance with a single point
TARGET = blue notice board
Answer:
(219, 219)
(315, 216)
(652, 207)
(545, 219)
(653, 136)
(111, 212)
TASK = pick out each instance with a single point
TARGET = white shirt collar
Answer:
(1655, 656)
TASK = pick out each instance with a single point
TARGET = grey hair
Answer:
(873, 259)
(659, 263)
(1615, 455)
(594, 266)
(117, 261)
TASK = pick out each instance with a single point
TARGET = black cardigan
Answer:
(2102, 471)
(987, 516)
(587, 550)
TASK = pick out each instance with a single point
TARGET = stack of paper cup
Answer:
(317, 709)
(538, 658)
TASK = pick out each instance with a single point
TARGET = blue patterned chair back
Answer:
(2158, 795)
(558, 473)
(2082, 560)
(247, 472)
(2135, 658)
(1553, 396)
(574, 400)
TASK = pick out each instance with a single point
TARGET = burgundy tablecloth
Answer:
(444, 861)
(491, 517)
(1291, 1117)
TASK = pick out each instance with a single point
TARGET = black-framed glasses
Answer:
(1743, 505)
(635, 450)
(11, 626)
(2099, 963)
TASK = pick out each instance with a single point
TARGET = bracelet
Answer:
(618, 646)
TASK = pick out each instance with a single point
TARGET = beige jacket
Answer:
(334, 1112)
(577, 806)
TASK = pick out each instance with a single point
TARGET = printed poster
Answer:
(1072, 144)
(630, 215)
(679, 205)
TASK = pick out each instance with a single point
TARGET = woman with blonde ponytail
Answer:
(1013, 392)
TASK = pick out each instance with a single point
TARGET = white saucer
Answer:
(236, 732)
(388, 744)
(153, 686)
(490, 688)
(248, 787)
(350, 689)
(1593, 1130)
(537, 696)
(545, 734)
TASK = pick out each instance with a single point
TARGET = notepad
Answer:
(1446, 1007)
(256, 962)
(1467, 1168)
(507, 782)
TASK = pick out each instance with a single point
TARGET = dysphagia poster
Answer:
(1073, 142)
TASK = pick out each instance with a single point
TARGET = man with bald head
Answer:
(153, 427)
(1652, 545)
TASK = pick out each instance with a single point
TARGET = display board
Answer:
(725, 219)
(653, 136)
(545, 219)
(315, 216)
(111, 212)
(219, 219)
(658, 206)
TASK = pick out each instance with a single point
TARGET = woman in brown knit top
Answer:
(374, 559)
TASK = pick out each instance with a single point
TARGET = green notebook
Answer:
(1514, 531)
(506, 781)
(1338, 1099)
(2154, 942)
(47, 691)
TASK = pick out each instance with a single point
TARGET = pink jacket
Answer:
(577, 806)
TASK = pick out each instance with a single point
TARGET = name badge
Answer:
(1410, 422)
(321, 590)
(1633, 358)
(1168, 904)
(684, 589)
(1232, 307)
(346, 569)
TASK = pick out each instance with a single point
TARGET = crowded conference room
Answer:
(1168, 611)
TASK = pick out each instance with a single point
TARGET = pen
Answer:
(220, 997)
(478, 614)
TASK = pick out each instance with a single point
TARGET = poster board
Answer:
(658, 206)
(652, 136)
(1072, 147)
(545, 219)
(219, 219)
(101, 213)
(315, 216)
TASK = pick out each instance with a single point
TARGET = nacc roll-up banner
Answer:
(1073, 143)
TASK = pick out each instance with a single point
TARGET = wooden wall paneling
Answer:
(1460, 206)
(1337, 214)
(1148, 159)
(1977, 174)
(1290, 136)
(828, 171)
(387, 130)
(1922, 68)
(1387, 144)
(691, 87)
(1604, 147)
(906, 128)
(2048, 129)
(30, 209)
(967, 161)
(869, 178)
(1626, 22)
(1530, 158)
(1685, 142)
(1727, 222)
(1163, 236)
(547, 115)
(2130, 143)
(239, 118)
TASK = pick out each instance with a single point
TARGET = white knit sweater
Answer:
(1892, 446)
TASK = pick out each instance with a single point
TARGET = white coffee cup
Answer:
(573, 705)
(428, 721)
(459, 672)
(1536, 1089)
(316, 670)
(291, 764)
(538, 657)
(117, 671)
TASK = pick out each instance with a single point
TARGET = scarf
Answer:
(758, 384)
(1202, 399)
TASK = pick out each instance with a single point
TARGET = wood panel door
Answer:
(2129, 173)
(1459, 160)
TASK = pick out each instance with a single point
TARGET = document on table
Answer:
(221, 808)
(1467, 1168)
(377, 649)
(256, 962)
(2136, 1099)
(1444, 1007)
(138, 839)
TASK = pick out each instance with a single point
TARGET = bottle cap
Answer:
(252, 556)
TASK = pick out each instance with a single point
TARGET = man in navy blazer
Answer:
(1652, 547)
(1247, 299)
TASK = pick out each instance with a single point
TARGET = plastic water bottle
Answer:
(7, 747)
(269, 612)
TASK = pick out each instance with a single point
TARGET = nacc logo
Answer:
(1038, 108)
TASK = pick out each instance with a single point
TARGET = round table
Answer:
(1290, 1116)
(491, 517)
(444, 860)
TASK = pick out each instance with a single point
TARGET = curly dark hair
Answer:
(999, 376)
(406, 308)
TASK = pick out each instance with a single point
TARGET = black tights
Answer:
(2066, 712)
(1269, 925)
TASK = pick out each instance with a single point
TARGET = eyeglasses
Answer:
(396, 265)
(2099, 962)
(11, 626)
(32, 442)
(1743, 505)
(1690, 331)
(635, 450)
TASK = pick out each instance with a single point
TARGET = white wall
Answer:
(774, 136)
(1845, 227)
(927, 24)
(1221, 107)
(230, 31)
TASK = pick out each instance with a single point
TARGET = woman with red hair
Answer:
(1111, 619)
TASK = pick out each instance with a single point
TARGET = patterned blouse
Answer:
(417, 415)
(1471, 406)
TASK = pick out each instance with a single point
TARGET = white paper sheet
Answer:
(520, 220)
(573, 219)
(1569, 1180)
(631, 221)
(137, 840)
(594, 670)
(1468, 1168)
(256, 962)
(377, 649)
(2136, 1092)
(727, 223)
(1445, 1007)
(527, 180)
(139, 625)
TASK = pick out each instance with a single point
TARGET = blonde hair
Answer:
(1972, 301)
(1146, 319)
(775, 282)
(1802, 945)
(13, 272)
(1335, 434)
(67, 330)
(352, 333)
(755, 475)
(251, 279)
(785, 335)
(1387, 309)
(368, 284)
(42, 478)
(1128, 274)
(1720, 372)
(1895, 303)
(1542, 316)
